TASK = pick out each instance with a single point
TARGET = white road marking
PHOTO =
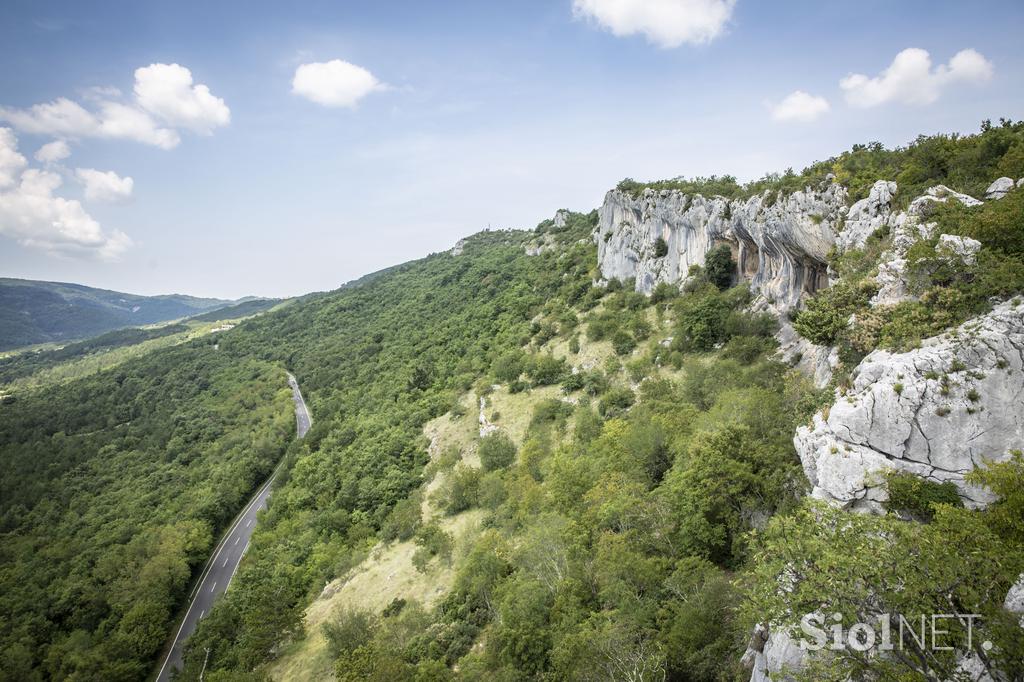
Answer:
(227, 560)
(237, 539)
(249, 522)
(203, 613)
(214, 586)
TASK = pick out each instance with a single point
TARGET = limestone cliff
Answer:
(936, 411)
(781, 246)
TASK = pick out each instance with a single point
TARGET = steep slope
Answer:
(523, 468)
(40, 312)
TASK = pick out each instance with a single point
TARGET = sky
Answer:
(229, 149)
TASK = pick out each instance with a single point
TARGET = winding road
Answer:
(221, 567)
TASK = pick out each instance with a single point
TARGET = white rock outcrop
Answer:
(937, 411)
(772, 654)
(1014, 602)
(867, 215)
(781, 245)
(923, 205)
(999, 188)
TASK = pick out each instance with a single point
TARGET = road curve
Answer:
(221, 567)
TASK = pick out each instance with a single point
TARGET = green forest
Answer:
(636, 504)
(113, 490)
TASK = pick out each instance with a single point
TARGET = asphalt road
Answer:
(221, 567)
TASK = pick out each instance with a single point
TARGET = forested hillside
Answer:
(112, 491)
(635, 499)
(516, 471)
(41, 312)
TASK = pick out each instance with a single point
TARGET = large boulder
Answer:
(999, 188)
(938, 412)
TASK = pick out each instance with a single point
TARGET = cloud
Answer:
(910, 79)
(52, 152)
(167, 92)
(335, 83)
(800, 106)
(34, 217)
(11, 162)
(665, 23)
(165, 101)
(104, 185)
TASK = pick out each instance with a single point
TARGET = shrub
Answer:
(825, 315)
(701, 320)
(747, 349)
(496, 451)
(595, 383)
(640, 328)
(616, 401)
(460, 490)
(349, 630)
(623, 343)
(546, 369)
(719, 266)
(660, 248)
(572, 383)
(663, 291)
(919, 496)
(403, 521)
(508, 366)
(432, 541)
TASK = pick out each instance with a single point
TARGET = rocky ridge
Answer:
(937, 412)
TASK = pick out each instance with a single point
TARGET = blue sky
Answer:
(484, 114)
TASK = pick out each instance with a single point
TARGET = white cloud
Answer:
(52, 152)
(165, 100)
(800, 106)
(167, 92)
(104, 185)
(666, 23)
(11, 162)
(335, 83)
(32, 215)
(910, 79)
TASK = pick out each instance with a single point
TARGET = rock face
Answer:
(936, 411)
(1014, 602)
(780, 247)
(770, 656)
(867, 215)
(999, 188)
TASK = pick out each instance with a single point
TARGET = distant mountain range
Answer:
(34, 312)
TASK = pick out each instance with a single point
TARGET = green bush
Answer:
(825, 315)
(663, 291)
(623, 343)
(349, 630)
(461, 490)
(919, 496)
(546, 369)
(616, 401)
(719, 267)
(508, 366)
(660, 248)
(573, 382)
(496, 451)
